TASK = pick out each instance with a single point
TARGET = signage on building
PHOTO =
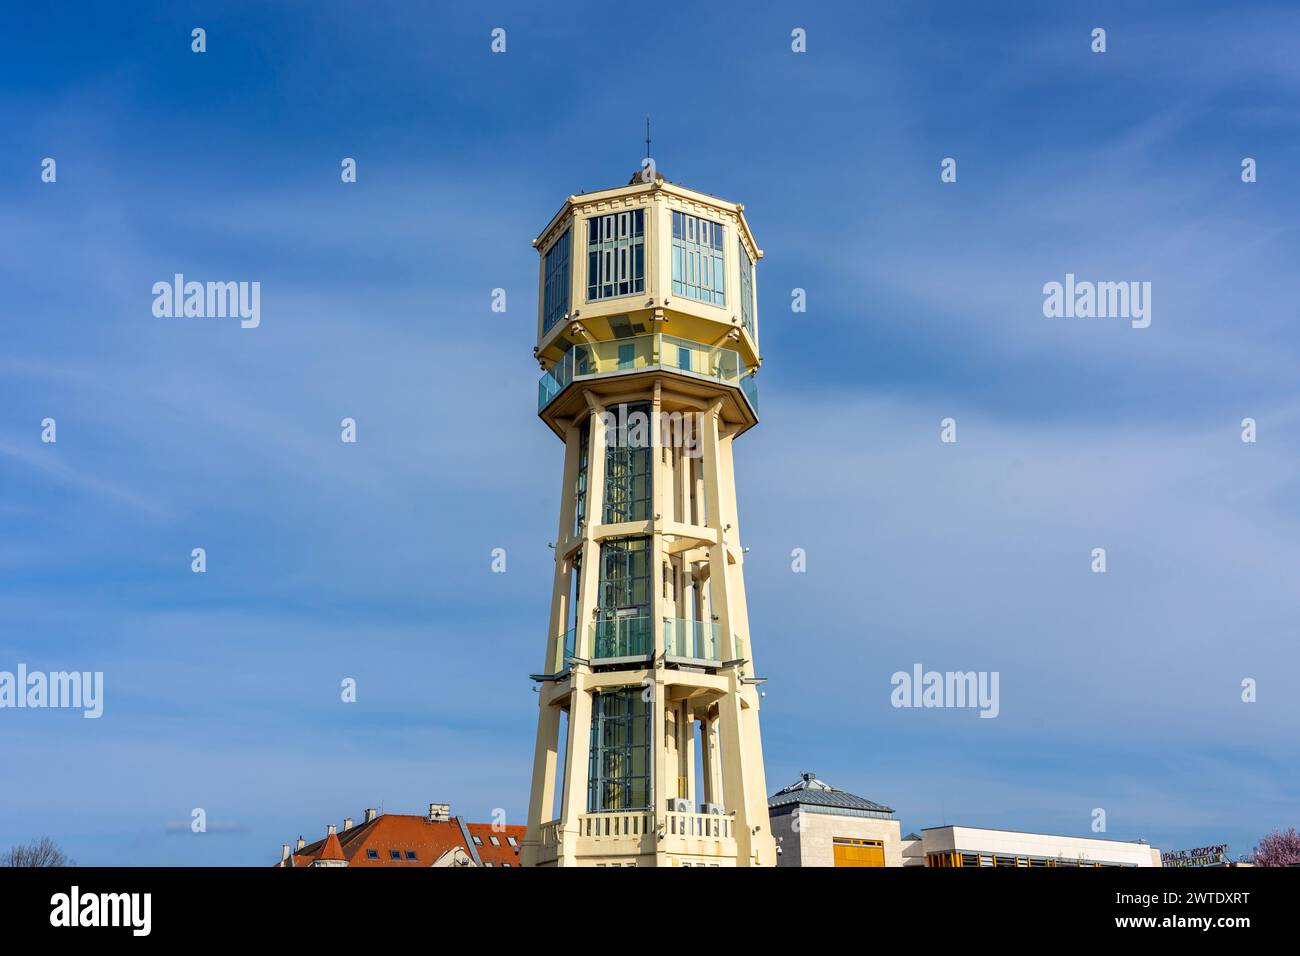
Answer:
(1216, 855)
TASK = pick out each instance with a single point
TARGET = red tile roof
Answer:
(406, 834)
(502, 854)
(332, 850)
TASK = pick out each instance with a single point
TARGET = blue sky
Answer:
(372, 560)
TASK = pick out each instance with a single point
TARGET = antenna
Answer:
(647, 137)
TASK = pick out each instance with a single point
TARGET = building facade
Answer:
(648, 750)
(950, 846)
(816, 824)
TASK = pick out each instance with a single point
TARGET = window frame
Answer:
(698, 253)
(602, 254)
(556, 288)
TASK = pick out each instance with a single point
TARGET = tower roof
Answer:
(809, 791)
(333, 850)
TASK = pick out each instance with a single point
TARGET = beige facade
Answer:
(976, 846)
(648, 308)
(809, 838)
(816, 824)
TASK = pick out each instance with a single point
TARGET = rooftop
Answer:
(808, 791)
(411, 840)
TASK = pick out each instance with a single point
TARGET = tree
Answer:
(42, 852)
(1279, 848)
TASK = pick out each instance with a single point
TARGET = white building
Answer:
(977, 846)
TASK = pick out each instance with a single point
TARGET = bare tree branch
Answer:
(42, 852)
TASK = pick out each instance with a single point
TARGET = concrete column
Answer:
(560, 583)
(589, 579)
(665, 758)
(660, 481)
(541, 800)
(687, 751)
(577, 753)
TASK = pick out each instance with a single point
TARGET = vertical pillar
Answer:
(541, 797)
(589, 582)
(541, 800)
(560, 582)
(686, 751)
(577, 754)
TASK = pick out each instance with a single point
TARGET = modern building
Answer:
(816, 824)
(648, 750)
(410, 840)
(977, 846)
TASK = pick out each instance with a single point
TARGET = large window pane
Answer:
(619, 765)
(556, 298)
(746, 290)
(628, 461)
(699, 270)
(616, 255)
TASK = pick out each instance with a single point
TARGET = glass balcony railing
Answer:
(642, 352)
(621, 637)
(694, 639)
(564, 651)
(749, 385)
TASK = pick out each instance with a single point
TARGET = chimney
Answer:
(439, 812)
(347, 824)
(371, 813)
(330, 830)
(301, 842)
(284, 854)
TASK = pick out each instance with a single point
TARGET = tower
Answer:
(648, 749)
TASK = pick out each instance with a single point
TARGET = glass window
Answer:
(394, 854)
(478, 841)
(616, 255)
(372, 854)
(624, 575)
(623, 627)
(628, 463)
(698, 268)
(746, 290)
(512, 841)
(556, 298)
(495, 841)
(619, 765)
(410, 854)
